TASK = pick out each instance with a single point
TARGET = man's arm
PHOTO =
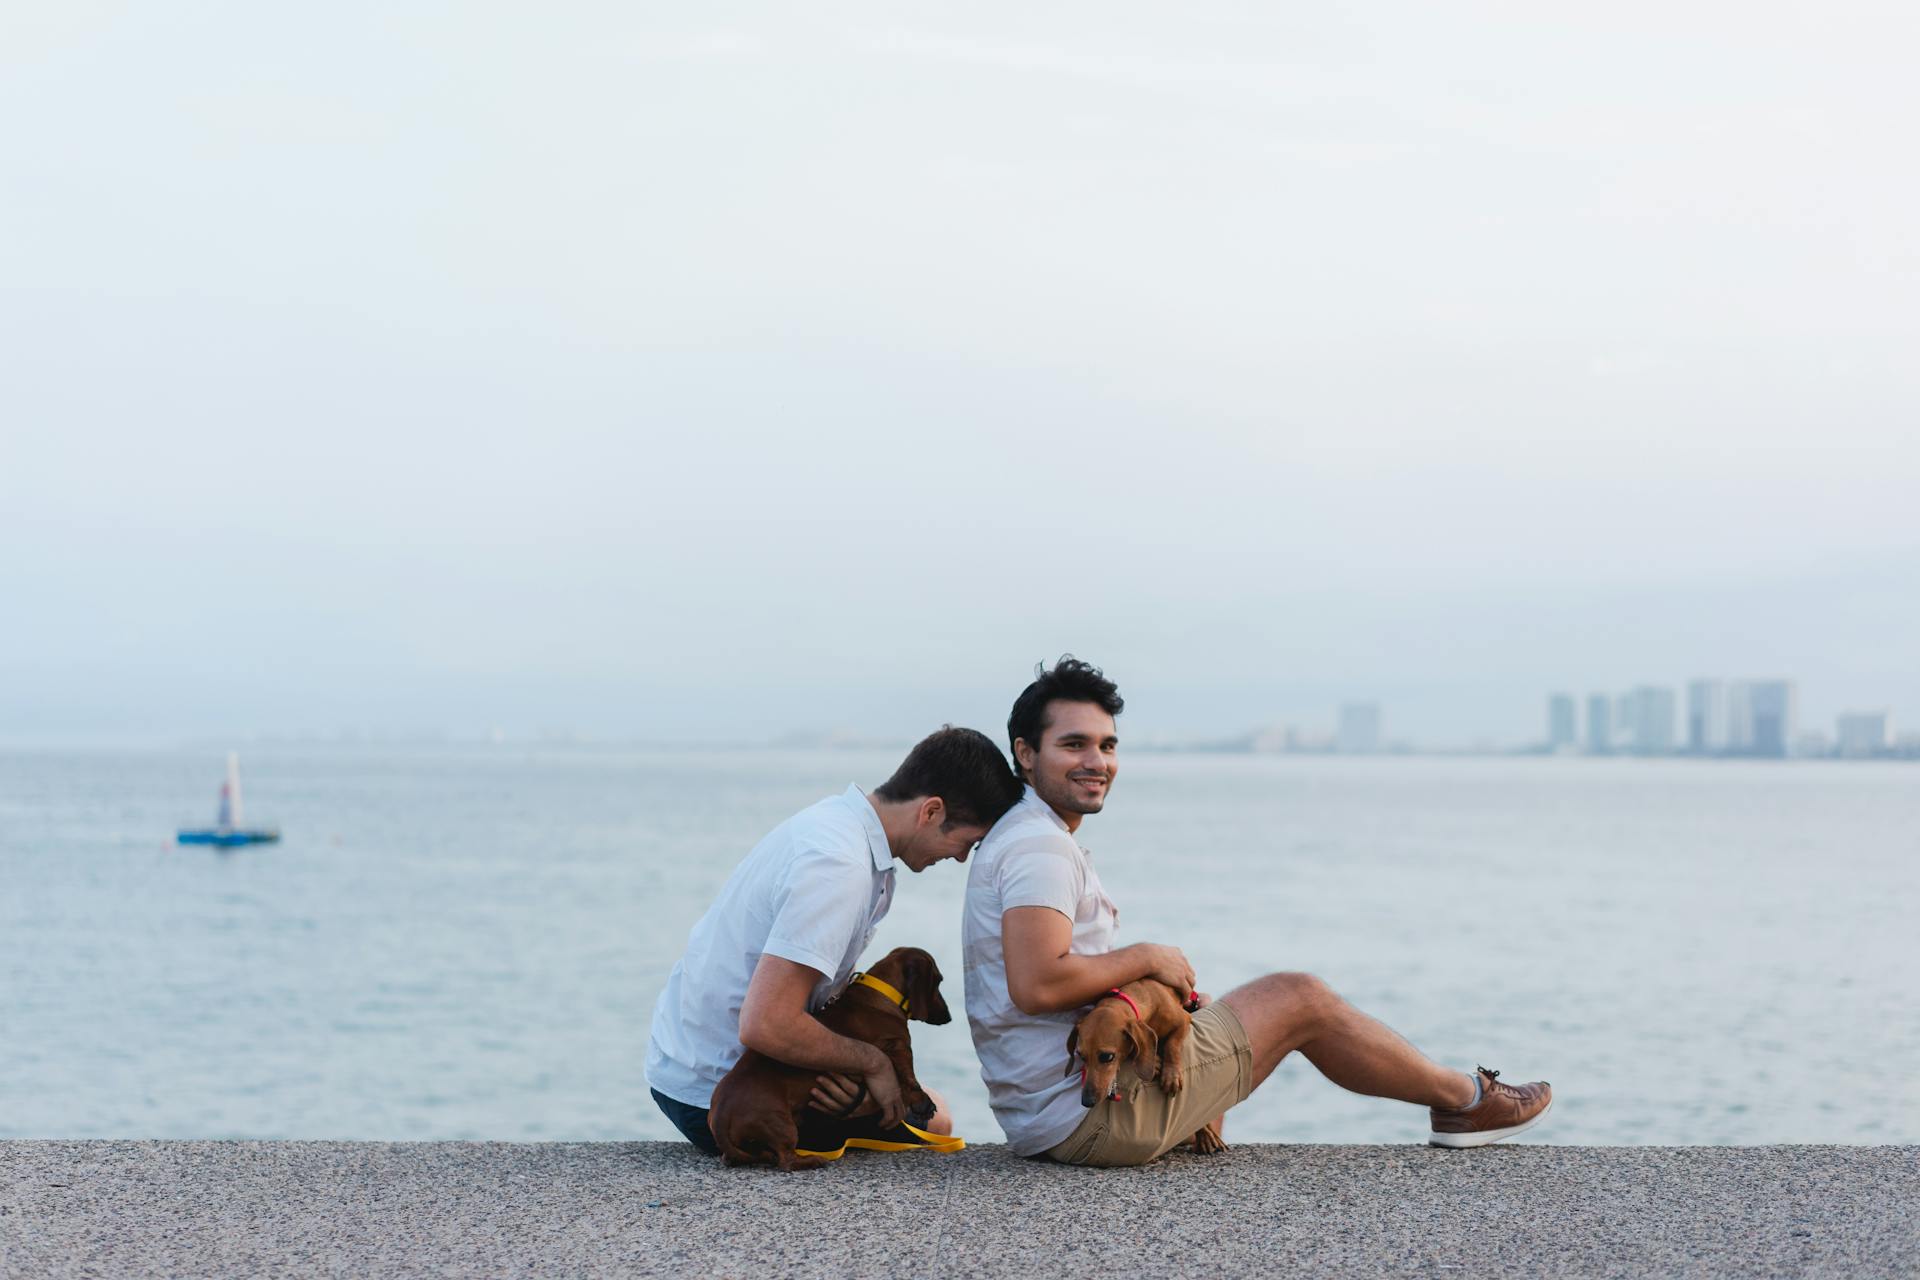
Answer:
(774, 1021)
(1044, 976)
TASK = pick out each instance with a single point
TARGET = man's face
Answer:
(1078, 756)
(933, 841)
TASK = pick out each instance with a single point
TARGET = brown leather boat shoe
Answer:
(1503, 1110)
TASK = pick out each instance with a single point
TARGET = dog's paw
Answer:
(1172, 1078)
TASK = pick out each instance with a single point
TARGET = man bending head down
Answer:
(791, 921)
(1039, 934)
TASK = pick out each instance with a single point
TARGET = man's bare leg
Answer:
(1283, 1012)
(942, 1121)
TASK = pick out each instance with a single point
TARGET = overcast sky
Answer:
(720, 371)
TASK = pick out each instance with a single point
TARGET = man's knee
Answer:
(1285, 1004)
(1310, 988)
(1304, 989)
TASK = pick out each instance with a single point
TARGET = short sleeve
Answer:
(820, 909)
(1040, 873)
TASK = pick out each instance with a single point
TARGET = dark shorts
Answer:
(690, 1121)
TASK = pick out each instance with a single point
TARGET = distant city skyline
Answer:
(1718, 716)
(1748, 717)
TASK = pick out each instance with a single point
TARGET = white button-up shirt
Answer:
(1029, 859)
(812, 892)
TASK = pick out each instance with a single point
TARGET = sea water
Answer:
(466, 942)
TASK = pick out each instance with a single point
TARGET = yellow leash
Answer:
(928, 1142)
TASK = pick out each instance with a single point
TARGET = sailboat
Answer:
(230, 827)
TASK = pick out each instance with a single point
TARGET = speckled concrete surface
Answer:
(477, 1209)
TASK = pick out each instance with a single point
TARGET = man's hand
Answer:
(842, 1095)
(884, 1089)
(1168, 964)
(837, 1095)
(1202, 999)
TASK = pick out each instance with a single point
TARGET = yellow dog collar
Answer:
(885, 989)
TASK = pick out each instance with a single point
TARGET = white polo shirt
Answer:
(1029, 859)
(811, 892)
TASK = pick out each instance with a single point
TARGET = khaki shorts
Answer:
(1147, 1124)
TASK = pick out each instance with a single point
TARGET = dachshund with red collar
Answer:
(1146, 1022)
(757, 1106)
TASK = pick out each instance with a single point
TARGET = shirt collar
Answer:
(876, 834)
(1032, 797)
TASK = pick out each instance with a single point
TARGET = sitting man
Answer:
(1038, 934)
(791, 921)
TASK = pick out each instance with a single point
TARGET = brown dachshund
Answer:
(756, 1108)
(1146, 1022)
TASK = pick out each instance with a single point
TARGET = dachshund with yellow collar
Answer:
(758, 1106)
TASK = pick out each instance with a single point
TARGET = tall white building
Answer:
(1862, 733)
(1761, 717)
(1650, 721)
(1359, 728)
(1706, 717)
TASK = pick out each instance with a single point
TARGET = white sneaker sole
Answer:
(1485, 1137)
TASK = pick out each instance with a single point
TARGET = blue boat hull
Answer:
(227, 838)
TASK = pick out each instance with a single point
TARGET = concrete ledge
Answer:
(486, 1209)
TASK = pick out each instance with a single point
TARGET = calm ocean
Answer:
(466, 942)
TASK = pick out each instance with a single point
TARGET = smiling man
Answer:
(1039, 943)
(791, 921)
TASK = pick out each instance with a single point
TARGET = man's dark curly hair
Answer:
(964, 769)
(1070, 680)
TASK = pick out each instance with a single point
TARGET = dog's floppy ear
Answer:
(1146, 1048)
(1073, 1043)
(923, 990)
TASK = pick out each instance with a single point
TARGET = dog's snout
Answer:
(1086, 1096)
